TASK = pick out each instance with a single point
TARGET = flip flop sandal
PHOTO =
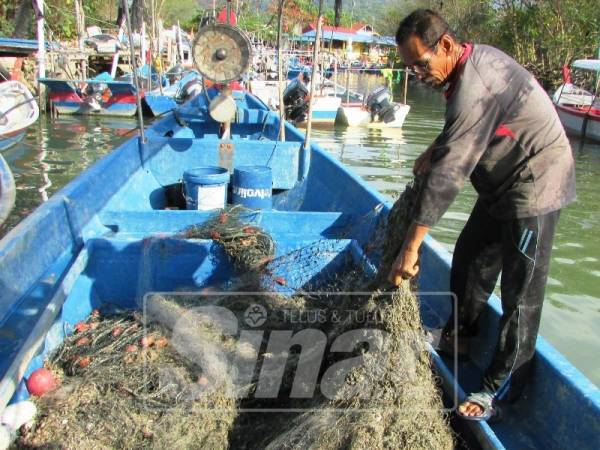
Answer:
(491, 411)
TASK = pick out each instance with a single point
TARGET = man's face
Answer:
(431, 64)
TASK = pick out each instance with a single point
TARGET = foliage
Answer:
(345, 18)
(7, 14)
(542, 35)
(187, 12)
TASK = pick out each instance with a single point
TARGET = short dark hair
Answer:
(426, 24)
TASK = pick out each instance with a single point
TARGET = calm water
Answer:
(57, 150)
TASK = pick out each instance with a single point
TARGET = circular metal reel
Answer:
(221, 52)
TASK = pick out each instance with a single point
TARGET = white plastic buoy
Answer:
(222, 108)
(18, 414)
(5, 437)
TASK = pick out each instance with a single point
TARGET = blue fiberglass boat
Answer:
(84, 249)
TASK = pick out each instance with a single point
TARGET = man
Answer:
(502, 131)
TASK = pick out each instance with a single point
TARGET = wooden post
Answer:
(280, 72)
(314, 72)
(80, 18)
(335, 76)
(405, 85)
(135, 73)
(143, 44)
(169, 52)
(179, 43)
(159, 29)
(348, 83)
(155, 46)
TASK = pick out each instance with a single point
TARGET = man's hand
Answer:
(407, 262)
(423, 162)
(406, 266)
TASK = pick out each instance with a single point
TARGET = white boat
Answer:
(378, 111)
(324, 107)
(18, 110)
(357, 115)
(267, 91)
(577, 102)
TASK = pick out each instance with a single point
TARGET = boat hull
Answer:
(118, 98)
(18, 109)
(98, 243)
(9, 141)
(579, 123)
(357, 116)
(324, 107)
(79, 108)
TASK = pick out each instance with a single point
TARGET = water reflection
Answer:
(55, 151)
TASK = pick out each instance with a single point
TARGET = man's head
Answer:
(428, 46)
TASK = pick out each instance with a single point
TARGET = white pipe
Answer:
(179, 43)
(143, 44)
(280, 72)
(115, 62)
(314, 74)
(41, 55)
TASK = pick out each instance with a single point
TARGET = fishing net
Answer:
(124, 386)
(208, 370)
(247, 246)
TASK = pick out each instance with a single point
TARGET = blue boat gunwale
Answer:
(89, 221)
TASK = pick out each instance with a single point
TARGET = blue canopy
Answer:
(309, 36)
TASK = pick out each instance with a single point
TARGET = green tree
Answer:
(542, 35)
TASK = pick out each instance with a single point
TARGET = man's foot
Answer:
(470, 409)
(479, 406)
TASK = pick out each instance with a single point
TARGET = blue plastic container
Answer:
(253, 187)
(206, 187)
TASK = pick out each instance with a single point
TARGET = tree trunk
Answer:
(23, 17)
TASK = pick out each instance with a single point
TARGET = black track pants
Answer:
(520, 248)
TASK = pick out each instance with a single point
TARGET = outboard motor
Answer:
(188, 86)
(190, 89)
(175, 74)
(92, 96)
(295, 100)
(379, 104)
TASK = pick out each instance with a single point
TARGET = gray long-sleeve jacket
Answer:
(503, 132)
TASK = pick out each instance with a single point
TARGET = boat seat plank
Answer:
(247, 116)
(281, 223)
(178, 155)
(124, 269)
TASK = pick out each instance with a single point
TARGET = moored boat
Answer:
(98, 96)
(18, 110)
(377, 111)
(107, 97)
(576, 100)
(324, 107)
